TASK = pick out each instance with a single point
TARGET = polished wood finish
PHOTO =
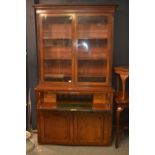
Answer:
(74, 96)
(74, 127)
(55, 127)
(92, 128)
(75, 67)
(121, 99)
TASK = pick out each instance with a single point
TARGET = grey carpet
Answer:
(80, 150)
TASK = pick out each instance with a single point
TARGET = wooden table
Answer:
(121, 98)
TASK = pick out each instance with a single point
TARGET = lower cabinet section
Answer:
(74, 128)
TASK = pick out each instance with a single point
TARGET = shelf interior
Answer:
(74, 100)
(89, 55)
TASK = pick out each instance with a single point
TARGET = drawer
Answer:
(49, 97)
(103, 98)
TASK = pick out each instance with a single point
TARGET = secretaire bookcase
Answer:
(74, 96)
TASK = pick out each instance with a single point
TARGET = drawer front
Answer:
(49, 97)
(105, 99)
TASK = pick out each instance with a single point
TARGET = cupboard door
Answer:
(92, 128)
(56, 55)
(56, 127)
(93, 38)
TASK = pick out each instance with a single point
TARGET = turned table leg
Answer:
(118, 111)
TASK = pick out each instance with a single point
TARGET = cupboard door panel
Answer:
(91, 128)
(57, 127)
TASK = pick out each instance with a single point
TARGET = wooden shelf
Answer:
(58, 58)
(92, 26)
(59, 76)
(56, 38)
(80, 58)
(55, 46)
(57, 69)
(57, 42)
(93, 50)
(57, 49)
(91, 59)
(93, 37)
(97, 37)
(92, 56)
(93, 76)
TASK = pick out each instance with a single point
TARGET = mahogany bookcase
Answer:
(74, 96)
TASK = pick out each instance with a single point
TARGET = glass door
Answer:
(57, 48)
(92, 48)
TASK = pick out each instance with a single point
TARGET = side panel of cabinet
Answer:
(55, 127)
(92, 128)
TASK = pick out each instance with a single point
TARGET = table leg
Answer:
(118, 111)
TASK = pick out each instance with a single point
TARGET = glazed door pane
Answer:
(57, 48)
(92, 45)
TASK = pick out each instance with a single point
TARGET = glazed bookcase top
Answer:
(75, 43)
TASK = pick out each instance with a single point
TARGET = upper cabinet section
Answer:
(75, 43)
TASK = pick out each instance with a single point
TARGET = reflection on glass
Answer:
(84, 45)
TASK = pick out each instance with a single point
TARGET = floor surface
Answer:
(80, 150)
